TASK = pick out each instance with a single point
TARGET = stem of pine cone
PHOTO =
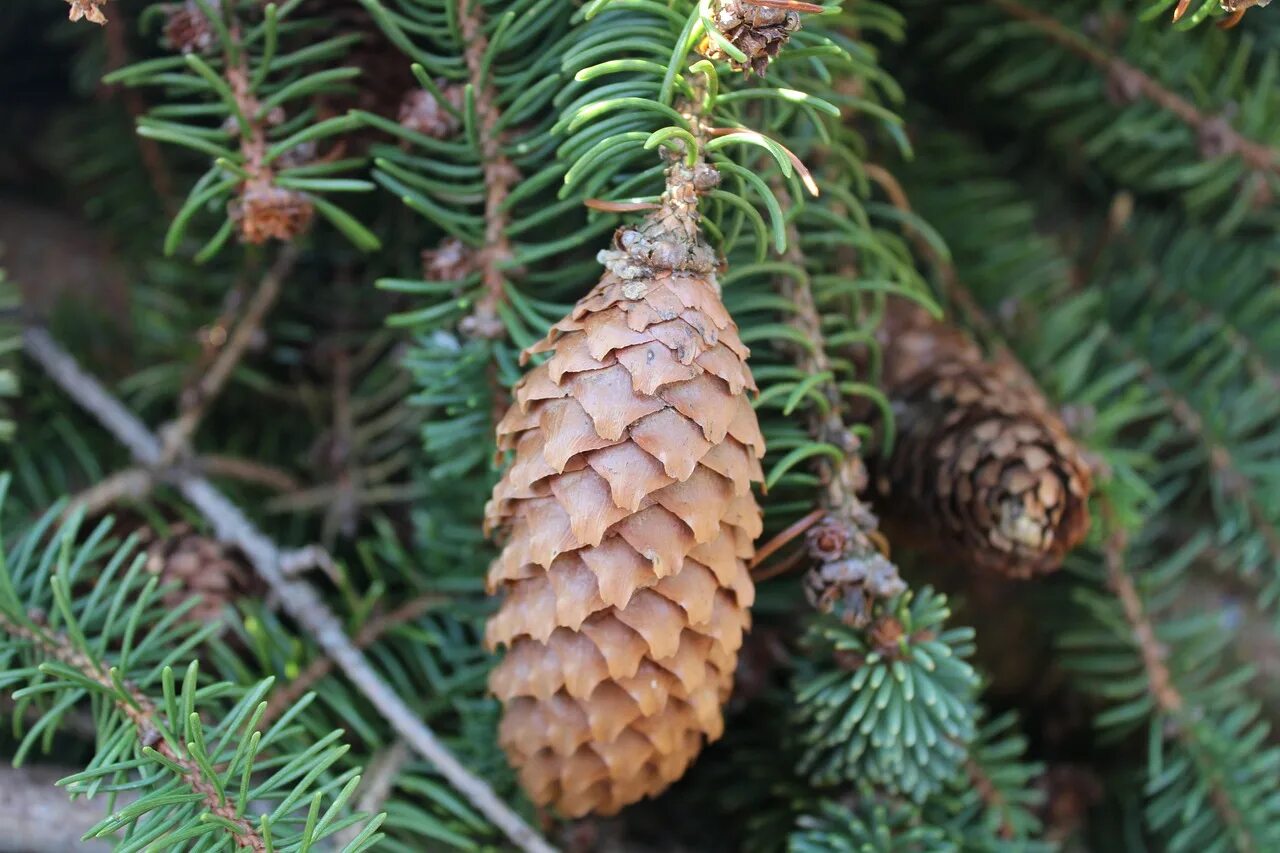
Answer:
(499, 175)
(1160, 681)
(1256, 155)
(196, 402)
(297, 597)
(141, 711)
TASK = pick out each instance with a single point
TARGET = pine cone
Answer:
(629, 520)
(980, 458)
(200, 566)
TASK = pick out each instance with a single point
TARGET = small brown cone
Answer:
(204, 567)
(628, 520)
(756, 29)
(980, 459)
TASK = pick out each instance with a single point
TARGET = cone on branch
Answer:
(980, 460)
(201, 566)
(628, 521)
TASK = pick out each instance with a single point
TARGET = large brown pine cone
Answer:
(980, 460)
(629, 522)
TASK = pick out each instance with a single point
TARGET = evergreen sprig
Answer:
(82, 621)
(246, 101)
(893, 704)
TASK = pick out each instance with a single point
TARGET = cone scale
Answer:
(627, 521)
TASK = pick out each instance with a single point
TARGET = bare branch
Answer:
(177, 436)
(298, 598)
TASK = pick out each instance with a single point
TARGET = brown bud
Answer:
(452, 260)
(422, 112)
(828, 539)
(188, 29)
(265, 212)
(89, 10)
(759, 31)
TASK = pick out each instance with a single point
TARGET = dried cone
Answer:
(628, 520)
(980, 458)
(204, 567)
(756, 29)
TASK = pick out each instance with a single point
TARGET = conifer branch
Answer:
(369, 633)
(196, 401)
(1160, 680)
(849, 522)
(1221, 461)
(1256, 155)
(141, 711)
(499, 176)
(991, 796)
(298, 598)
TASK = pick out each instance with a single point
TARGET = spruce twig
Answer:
(1160, 681)
(141, 711)
(297, 597)
(849, 522)
(1256, 155)
(499, 176)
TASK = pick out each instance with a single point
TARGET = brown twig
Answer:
(791, 532)
(141, 711)
(196, 400)
(1256, 155)
(991, 796)
(129, 484)
(1152, 651)
(499, 176)
(149, 149)
(246, 471)
(376, 784)
(297, 597)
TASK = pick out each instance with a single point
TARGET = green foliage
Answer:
(1118, 229)
(1099, 120)
(869, 826)
(1211, 780)
(894, 710)
(82, 620)
(248, 105)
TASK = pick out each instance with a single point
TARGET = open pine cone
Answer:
(980, 459)
(629, 521)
